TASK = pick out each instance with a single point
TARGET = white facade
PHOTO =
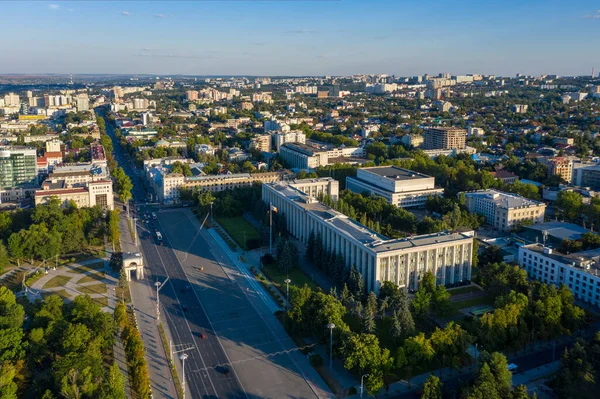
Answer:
(400, 187)
(296, 136)
(403, 261)
(578, 271)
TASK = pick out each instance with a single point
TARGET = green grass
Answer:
(93, 289)
(91, 277)
(61, 293)
(483, 300)
(239, 229)
(89, 267)
(102, 301)
(297, 275)
(463, 290)
(57, 281)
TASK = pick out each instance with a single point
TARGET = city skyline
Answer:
(300, 38)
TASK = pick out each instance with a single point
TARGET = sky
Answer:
(297, 38)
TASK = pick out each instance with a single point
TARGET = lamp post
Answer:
(183, 356)
(287, 282)
(361, 384)
(331, 326)
(134, 231)
(159, 285)
(212, 219)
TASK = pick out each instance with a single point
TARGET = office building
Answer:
(504, 210)
(587, 176)
(403, 261)
(18, 167)
(302, 156)
(579, 271)
(294, 136)
(444, 138)
(87, 194)
(400, 187)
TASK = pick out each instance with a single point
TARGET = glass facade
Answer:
(17, 169)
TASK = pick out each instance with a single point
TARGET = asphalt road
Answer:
(222, 304)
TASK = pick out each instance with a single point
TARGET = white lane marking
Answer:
(207, 318)
(186, 322)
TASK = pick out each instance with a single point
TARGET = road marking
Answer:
(186, 322)
(202, 307)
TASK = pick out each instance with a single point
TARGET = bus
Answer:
(158, 236)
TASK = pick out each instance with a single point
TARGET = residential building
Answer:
(53, 145)
(475, 131)
(505, 176)
(561, 166)
(403, 261)
(82, 102)
(247, 106)
(18, 167)
(519, 108)
(413, 140)
(444, 138)
(293, 136)
(12, 100)
(504, 210)
(191, 95)
(400, 187)
(261, 142)
(579, 271)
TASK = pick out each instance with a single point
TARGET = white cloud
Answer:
(125, 13)
(593, 16)
(160, 15)
(54, 6)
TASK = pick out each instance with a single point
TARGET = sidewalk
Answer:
(143, 299)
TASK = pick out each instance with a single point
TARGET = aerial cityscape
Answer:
(299, 199)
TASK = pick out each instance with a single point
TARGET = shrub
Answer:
(267, 259)
(253, 243)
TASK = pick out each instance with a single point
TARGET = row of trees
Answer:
(579, 371)
(134, 350)
(60, 352)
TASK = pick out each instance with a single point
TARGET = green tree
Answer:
(114, 384)
(421, 303)
(569, 203)
(432, 389)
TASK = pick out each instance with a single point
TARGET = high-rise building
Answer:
(191, 95)
(444, 138)
(82, 102)
(294, 136)
(18, 167)
(561, 166)
(11, 100)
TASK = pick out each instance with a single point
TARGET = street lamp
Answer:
(183, 356)
(159, 285)
(287, 282)
(134, 231)
(331, 326)
(361, 384)
(212, 219)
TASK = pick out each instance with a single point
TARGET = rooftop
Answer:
(504, 200)
(356, 231)
(395, 173)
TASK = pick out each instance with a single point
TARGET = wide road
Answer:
(262, 361)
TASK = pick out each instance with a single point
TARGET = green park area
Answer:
(239, 229)
(296, 275)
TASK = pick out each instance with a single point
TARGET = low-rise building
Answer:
(504, 210)
(505, 176)
(302, 156)
(88, 194)
(400, 187)
(261, 142)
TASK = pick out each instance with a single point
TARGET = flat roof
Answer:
(503, 199)
(376, 242)
(395, 173)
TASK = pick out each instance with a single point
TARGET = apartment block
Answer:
(444, 138)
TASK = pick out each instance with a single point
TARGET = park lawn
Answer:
(238, 228)
(91, 277)
(296, 275)
(463, 290)
(57, 281)
(61, 293)
(479, 301)
(93, 289)
(88, 268)
(102, 301)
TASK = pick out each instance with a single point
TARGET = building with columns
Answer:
(448, 255)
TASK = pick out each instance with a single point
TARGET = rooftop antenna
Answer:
(545, 236)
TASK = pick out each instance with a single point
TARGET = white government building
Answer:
(448, 255)
(400, 187)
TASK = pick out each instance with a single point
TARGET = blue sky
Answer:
(402, 37)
